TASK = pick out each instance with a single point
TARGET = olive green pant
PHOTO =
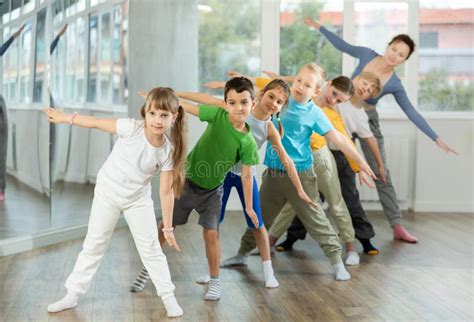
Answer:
(328, 184)
(276, 190)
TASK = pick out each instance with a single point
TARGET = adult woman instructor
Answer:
(397, 52)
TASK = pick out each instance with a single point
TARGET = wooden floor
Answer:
(26, 211)
(432, 280)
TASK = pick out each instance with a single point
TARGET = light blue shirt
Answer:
(299, 121)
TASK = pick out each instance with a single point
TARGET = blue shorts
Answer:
(234, 180)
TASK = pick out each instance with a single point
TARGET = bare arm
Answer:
(272, 75)
(374, 148)
(275, 140)
(192, 109)
(57, 116)
(233, 73)
(167, 204)
(215, 84)
(201, 98)
(348, 149)
(247, 184)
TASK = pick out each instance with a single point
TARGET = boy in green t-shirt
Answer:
(226, 141)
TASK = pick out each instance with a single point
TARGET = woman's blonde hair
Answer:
(318, 71)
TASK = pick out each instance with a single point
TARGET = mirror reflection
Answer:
(88, 77)
(24, 133)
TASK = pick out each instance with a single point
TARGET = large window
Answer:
(229, 38)
(40, 56)
(26, 52)
(119, 51)
(375, 25)
(446, 53)
(93, 57)
(300, 45)
(105, 71)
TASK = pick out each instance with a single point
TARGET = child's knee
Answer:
(211, 235)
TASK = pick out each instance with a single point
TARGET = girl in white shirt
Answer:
(142, 150)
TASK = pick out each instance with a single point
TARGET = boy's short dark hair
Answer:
(239, 84)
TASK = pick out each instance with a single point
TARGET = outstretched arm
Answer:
(275, 140)
(7, 44)
(192, 109)
(335, 40)
(201, 98)
(233, 73)
(272, 75)
(167, 204)
(348, 149)
(56, 40)
(247, 185)
(58, 116)
(403, 101)
(215, 84)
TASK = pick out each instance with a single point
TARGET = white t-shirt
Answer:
(134, 161)
(355, 121)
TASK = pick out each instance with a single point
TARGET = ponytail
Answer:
(178, 133)
(281, 131)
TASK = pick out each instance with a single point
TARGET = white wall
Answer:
(444, 182)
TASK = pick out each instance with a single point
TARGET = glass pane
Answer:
(70, 84)
(375, 25)
(80, 60)
(57, 11)
(25, 63)
(16, 6)
(6, 66)
(229, 38)
(40, 53)
(28, 5)
(446, 53)
(81, 5)
(5, 12)
(105, 62)
(300, 45)
(119, 55)
(93, 57)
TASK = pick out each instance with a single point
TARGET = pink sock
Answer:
(399, 233)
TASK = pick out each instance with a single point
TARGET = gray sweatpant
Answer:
(387, 195)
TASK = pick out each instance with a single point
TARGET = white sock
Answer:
(67, 302)
(213, 290)
(172, 307)
(352, 259)
(237, 260)
(341, 273)
(204, 279)
(270, 280)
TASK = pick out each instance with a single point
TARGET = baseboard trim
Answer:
(436, 206)
(20, 244)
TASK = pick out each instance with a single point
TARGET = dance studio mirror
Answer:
(24, 132)
(88, 77)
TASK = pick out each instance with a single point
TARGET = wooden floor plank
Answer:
(431, 280)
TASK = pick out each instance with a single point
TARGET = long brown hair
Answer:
(279, 84)
(165, 99)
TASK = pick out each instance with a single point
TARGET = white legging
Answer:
(140, 217)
